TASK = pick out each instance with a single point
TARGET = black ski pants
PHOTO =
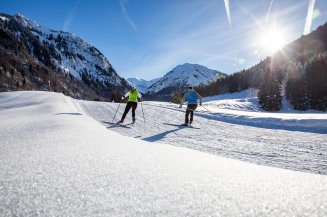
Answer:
(130, 105)
(189, 111)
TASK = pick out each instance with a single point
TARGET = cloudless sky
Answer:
(147, 38)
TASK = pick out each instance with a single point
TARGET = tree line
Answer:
(298, 72)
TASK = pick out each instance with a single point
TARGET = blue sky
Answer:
(147, 38)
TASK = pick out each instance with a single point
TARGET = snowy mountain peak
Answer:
(189, 66)
(182, 76)
(141, 84)
(26, 22)
(76, 55)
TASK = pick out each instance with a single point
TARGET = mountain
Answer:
(141, 84)
(31, 55)
(182, 76)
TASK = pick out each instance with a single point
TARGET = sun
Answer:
(272, 40)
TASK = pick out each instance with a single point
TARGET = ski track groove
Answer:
(302, 151)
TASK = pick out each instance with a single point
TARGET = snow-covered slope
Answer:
(141, 84)
(245, 100)
(182, 76)
(65, 53)
(55, 160)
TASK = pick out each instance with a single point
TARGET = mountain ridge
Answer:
(61, 52)
(181, 76)
(141, 84)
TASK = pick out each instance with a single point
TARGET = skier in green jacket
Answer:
(133, 97)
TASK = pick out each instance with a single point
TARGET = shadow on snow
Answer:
(260, 122)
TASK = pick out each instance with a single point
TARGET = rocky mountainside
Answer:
(182, 76)
(33, 57)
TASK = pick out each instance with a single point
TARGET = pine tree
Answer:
(316, 76)
(177, 97)
(116, 96)
(269, 94)
(296, 88)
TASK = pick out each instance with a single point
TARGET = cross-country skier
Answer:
(133, 97)
(191, 96)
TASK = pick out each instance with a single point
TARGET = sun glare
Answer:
(272, 40)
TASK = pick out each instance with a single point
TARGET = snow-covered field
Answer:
(55, 160)
(243, 108)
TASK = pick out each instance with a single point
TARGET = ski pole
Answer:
(207, 110)
(115, 113)
(216, 115)
(142, 111)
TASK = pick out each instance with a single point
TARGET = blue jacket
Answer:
(191, 97)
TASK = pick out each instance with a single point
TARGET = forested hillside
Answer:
(298, 72)
(34, 57)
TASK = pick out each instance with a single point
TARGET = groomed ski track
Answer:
(260, 142)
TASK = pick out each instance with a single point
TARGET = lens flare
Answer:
(316, 13)
(228, 13)
(309, 17)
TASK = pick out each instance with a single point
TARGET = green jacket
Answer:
(133, 95)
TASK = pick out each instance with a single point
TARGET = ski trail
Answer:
(303, 151)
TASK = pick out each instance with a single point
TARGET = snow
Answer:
(57, 161)
(26, 22)
(4, 18)
(141, 84)
(182, 75)
(245, 100)
(272, 139)
(244, 107)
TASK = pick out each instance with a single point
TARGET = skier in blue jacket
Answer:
(191, 96)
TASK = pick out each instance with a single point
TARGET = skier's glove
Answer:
(180, 106)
